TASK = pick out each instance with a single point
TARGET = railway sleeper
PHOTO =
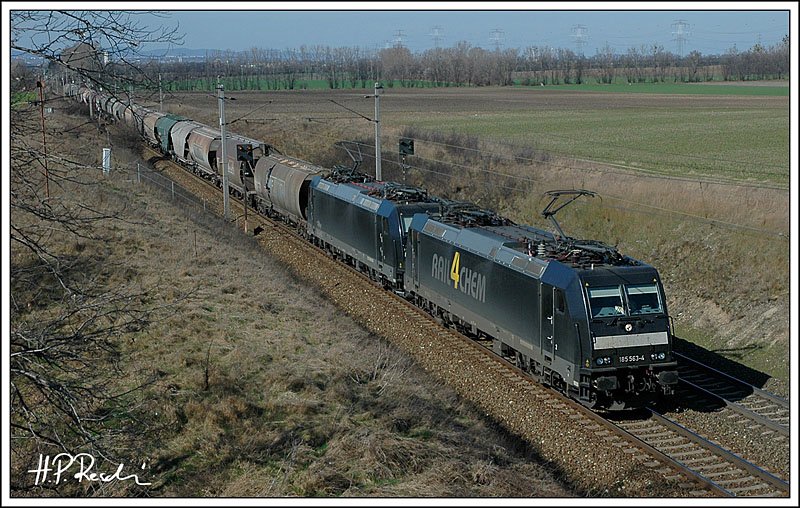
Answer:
(734, 481)
(671, 448)
(707, 467)
(690, 453)
(727, 472)
(739, 490)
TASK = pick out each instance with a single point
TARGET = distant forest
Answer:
(459, 65)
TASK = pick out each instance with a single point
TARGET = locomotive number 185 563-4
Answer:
(631, 358)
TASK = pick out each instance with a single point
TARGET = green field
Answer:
(300, 84)
(743, 138)
(776, 89)
(18, 98)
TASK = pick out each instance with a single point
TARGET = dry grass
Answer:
(255, 386)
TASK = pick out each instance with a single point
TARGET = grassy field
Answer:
(748, 141)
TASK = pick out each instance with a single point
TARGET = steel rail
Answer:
(736, 461)
(743, 406)
(738, 408)
(758, 391)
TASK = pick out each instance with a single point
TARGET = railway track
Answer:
(732, 474)
(631, 438)
(745, 404)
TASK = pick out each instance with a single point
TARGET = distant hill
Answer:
(177, 52)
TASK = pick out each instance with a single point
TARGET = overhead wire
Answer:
(635, 172)
(549, 163)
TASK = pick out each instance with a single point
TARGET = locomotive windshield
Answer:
(643, 299)
(606, 301)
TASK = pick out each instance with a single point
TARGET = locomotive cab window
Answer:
(559, 301)
(606, 301)
(643, 299)
(405, 221)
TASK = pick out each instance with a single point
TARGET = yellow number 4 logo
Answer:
(454, 269)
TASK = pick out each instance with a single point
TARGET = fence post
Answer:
(173, 190)
(138, 173)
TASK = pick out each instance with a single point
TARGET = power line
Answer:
(633, 172)
(658, 210)
(699, 218)
(637, 172)
(649, 152)
(640, 172)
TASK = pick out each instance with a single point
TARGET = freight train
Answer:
(576, 315)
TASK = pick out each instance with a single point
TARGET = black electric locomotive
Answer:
(365, 222)
(576, 315)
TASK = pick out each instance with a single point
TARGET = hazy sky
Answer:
(530, 23)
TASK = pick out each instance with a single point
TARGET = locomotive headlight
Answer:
(605, 360)
(658, 356)
(628, 327)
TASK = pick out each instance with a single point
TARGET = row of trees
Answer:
(466, 65)
(459, 65)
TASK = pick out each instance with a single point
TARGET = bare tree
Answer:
(66, 318)
(97, 47)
